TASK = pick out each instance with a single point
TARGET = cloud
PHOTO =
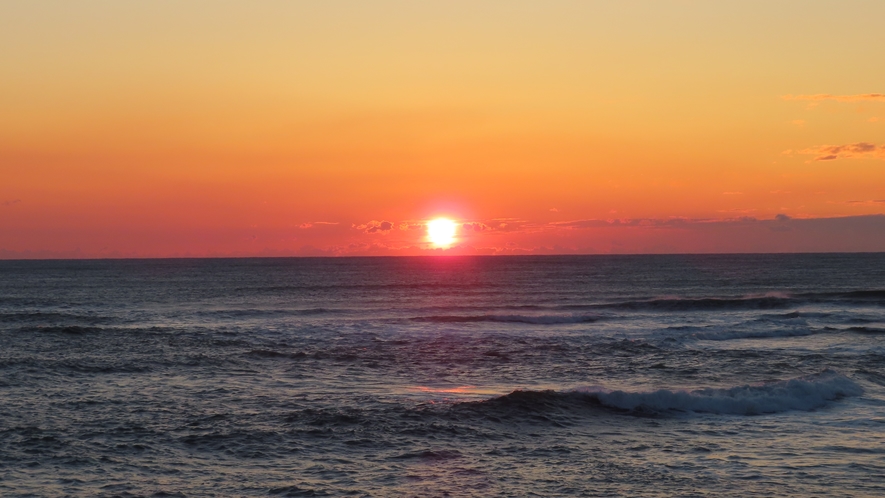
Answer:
(511, 224)
(673, 222)
(862, 97)
(850, 151)
(311, 224)
(476, 227)
(774, 233)
(375, 226)
(466, 226)
(412, 225)
(871, 202)
(624, 222)
(12, 202)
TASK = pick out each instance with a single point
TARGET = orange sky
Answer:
(167, 128)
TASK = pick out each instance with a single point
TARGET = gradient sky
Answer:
(221, 128)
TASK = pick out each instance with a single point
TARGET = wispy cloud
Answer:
(10, 203)
(476, 226)
(871, 202)
(861, 97)
(375, 226)
(468, 226)
(628, 222)
(674, 222)
(412, 225)
(311, 224)
(849, 151)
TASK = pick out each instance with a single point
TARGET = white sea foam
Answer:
(802, 393)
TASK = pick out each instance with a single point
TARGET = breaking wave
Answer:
(800, 394)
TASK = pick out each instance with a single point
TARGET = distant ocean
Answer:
(696, 375)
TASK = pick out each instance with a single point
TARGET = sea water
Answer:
(719, 375)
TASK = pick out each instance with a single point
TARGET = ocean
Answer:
(677, 375)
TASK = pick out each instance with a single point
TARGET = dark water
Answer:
(539, 376)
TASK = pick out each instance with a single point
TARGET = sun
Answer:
(441, 232)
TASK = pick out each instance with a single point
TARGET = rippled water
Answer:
(507, 376)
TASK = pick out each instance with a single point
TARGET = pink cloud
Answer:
(476, 227)
(375, 226)
(850, 151)
(412, 225)
(311, 224)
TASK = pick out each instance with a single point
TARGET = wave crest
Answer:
(802, 394)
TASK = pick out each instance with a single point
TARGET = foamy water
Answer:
(548, 376)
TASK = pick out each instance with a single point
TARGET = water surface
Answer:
(487, 376)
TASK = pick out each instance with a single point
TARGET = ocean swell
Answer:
(752, 302)
(727, 335)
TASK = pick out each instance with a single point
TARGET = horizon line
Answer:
(428, 256)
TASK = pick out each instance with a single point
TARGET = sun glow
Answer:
(441, 232)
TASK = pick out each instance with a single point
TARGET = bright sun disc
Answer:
(441, 232)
